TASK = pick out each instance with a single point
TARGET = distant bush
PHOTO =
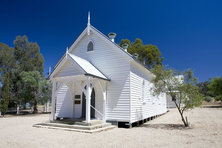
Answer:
(208, 99)
(218, 98)
(210, 93)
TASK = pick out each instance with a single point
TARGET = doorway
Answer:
(92, 111)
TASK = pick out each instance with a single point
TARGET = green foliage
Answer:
(5, 99)
(179, 84)
(25, 56)
(7, 64)
(216, 85)
(218, 98)
(210, 93)
(208, 99)
(31, 80)
(204, 87)
(44, 92)
(148, 54)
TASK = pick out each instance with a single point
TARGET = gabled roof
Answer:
(108, 40)
(85, 66)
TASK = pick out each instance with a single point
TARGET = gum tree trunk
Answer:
(181, 114)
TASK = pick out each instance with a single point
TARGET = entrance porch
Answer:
(79, 97)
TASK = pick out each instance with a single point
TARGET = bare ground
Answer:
(164, 131)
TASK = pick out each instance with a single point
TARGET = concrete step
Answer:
(82, 127)
(78, 130)
(93, 122)
(77, 122)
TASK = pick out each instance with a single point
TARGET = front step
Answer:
(79, 128)
(77, 122)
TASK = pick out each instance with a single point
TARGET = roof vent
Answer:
(112, 36)
(136, 55)
(125, 46)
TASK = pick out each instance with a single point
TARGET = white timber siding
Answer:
(78, 107)
(64, 103)
(68, 69)
(115, 66)
(150, 105)
(99, 101)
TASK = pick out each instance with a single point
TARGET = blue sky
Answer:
(188, 33)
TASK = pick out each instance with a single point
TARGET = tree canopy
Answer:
(204, 87)
(181, 86)
(24, 63)
(31, 80)
(148, 54)
(5, 98)
(216, 85)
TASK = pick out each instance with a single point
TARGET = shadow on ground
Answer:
(212, 106)
(12, 113)
(166, 126)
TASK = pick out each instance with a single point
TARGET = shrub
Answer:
(218, 98)
(208, 99)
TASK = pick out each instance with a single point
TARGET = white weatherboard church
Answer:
(97, 79)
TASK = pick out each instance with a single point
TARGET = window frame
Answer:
(144, 91)
(93, 46)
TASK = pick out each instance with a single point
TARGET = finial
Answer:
(88, 18)
(88, 25)
(67, 51)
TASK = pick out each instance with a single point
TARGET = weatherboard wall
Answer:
(64, 103)
(68, 69)
(65, 106)
(125, 100)
(111, 62)
(142, 108)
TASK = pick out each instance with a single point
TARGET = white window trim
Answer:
(144, 91)
(88, 44)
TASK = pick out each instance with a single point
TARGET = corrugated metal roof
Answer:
(88, 67)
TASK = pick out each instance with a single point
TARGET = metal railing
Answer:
(100, 114)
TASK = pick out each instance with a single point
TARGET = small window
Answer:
(90, 46)
(77, 101)
(143, 91)
(77, 96)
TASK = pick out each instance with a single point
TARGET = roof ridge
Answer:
(110, 40)
(121, 48)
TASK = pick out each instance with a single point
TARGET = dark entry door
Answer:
(92, 111)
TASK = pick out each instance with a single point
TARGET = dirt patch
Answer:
(164, 131)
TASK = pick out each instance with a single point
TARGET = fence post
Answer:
(17, 110)
(47, 107)
(32, 109)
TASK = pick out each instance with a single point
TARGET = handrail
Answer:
(97, 110)
(100, 114)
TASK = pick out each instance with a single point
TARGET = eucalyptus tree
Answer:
(216, 85)
(5, 98)
(204, 87)
(28, 58)
(31, 81)
(7, 64)
(148, 54)
(181, 86)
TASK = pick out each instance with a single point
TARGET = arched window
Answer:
(90, 46)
